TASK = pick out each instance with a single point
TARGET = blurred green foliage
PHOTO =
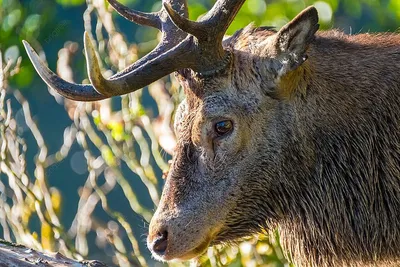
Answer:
(49, 24)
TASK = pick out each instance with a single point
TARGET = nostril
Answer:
(161, 243)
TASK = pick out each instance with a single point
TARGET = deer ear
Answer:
(292, 40)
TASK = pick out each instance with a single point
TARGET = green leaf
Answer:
(71, 2)
(32, 23)
(11, 20)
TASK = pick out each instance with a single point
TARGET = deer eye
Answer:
(223, 127)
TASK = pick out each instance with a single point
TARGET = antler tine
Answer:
(141, 18)
(192, 27)
(149, 19)
(221, 15)
(80, 92)
(209, 32)
(211, 26)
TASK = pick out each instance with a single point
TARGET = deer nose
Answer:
(160, 244)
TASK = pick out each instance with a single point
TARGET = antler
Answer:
(185, 44)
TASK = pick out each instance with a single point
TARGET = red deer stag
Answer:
(295, 130)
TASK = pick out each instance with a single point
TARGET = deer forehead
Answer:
(233, 103)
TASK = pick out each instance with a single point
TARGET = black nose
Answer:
(161, 243)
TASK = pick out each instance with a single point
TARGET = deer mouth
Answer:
(174, 253)
(171, 254)
(197, 251)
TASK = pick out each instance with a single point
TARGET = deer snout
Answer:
(158, 243)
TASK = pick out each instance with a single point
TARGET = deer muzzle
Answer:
(179, 238)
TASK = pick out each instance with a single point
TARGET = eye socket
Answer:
(223, 127)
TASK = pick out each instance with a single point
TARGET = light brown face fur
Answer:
(202, 185)
(314, 150)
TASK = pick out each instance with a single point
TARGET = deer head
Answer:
(233, 87)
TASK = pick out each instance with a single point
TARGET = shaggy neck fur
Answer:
(343, 143)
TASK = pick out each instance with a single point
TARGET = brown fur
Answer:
(315, 150)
